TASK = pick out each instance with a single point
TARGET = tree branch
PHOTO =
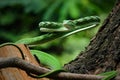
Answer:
(31, 68)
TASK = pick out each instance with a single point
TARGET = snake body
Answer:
(54, 30)
(108, 75)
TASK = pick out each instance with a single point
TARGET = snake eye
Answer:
(69, 24)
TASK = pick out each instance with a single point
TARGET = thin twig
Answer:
(29, 67)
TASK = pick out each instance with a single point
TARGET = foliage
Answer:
(20, 18)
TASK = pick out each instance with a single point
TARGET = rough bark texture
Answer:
(15, 73)
(103, 52)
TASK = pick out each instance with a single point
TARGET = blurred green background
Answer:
(20, 18)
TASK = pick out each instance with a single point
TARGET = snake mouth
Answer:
(62, 29)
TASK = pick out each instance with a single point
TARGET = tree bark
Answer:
(103, 52)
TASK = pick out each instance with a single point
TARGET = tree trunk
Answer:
(103, 52)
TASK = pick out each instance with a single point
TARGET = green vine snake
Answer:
(54, 30)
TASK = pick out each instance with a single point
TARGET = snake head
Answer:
(69, 24)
